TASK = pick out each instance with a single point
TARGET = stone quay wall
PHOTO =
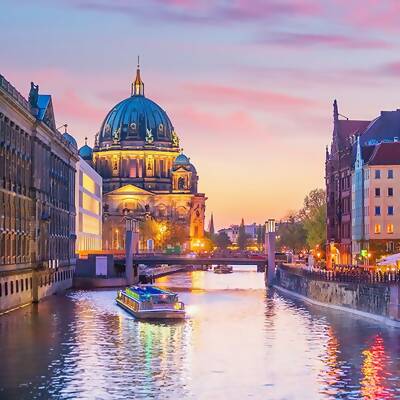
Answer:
(380, 301)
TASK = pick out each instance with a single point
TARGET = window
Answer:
(390, 174)
(389, 228)
(377, 192)
(22, 285)
(390, 192)
(377, 228)
(12, 287)
(390, 210)
(6, 289)
(377, 210)
(377, 174)
(16, 286)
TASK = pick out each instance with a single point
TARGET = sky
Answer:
(247, 84)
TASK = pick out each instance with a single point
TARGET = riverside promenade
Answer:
(374, 295)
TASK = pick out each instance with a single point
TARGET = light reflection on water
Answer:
(239, 342)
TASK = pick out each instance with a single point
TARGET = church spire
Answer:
(211, 228)
(335, 111)
(137, 85)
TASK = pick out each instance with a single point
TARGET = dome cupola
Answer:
(86, 151)
(69, 138)
(136, 122)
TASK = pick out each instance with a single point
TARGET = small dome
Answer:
(182, 160)
(70, 139)
(86, 152)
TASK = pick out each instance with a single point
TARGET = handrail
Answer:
(346, 275)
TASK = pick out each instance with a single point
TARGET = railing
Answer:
(348, 274)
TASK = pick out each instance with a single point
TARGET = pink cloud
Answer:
(71, 106)
(331, 40)
(367, 14)
(263, 100)
(392, 68)
(193, 119)
(213, 11)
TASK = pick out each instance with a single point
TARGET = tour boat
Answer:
(223, 269)
(150, 302)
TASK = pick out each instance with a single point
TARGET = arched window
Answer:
(181, 183)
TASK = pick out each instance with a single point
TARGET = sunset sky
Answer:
(248, 85)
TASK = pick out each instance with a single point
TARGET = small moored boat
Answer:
(150, 302)
(223, 269)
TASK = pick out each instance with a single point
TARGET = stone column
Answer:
(270, 236)
(131, 240)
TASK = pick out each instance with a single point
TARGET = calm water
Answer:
(240, 342)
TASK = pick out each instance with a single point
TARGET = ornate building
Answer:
(37, 205)
(361, 184)
(338, 168)
(145, 176)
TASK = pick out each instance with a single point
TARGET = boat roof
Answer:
(149, 290)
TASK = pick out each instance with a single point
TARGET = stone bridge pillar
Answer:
(131, 248)
(270, 237)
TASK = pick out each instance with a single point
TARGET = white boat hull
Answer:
(153, 314)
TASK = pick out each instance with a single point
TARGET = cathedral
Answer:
(145, 175)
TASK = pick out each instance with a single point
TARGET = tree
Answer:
(313, 217)
(291, 233)
(222, 240)
(242, 236)
(260, 236)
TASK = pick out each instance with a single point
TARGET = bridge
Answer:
(199, 260)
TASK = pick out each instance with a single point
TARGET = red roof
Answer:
(386, 154)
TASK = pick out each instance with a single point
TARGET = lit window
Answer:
(377, 210)
(90, 204)
(389, 228)
(390, 174)
(88, 184)
(90, 224)
(377, 192)
(390, 210)
(390, 192)
(377, 174)
(377, 228)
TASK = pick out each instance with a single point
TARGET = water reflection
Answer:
(240, 341)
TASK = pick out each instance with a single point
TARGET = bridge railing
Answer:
(350, 274)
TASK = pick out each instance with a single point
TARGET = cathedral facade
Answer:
(145, 175)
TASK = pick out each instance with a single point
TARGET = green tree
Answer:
(291, 233)
(222, 240)
(260, 236)
(242, 236)
(313, 217)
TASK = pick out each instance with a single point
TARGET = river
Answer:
(240, 342)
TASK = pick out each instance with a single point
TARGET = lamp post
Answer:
(270, 237)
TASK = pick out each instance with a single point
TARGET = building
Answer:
(89, 207)
(145, 174)
(252, 231)
(376, 204)
(358, 149)
(338, 169)
(37, 199)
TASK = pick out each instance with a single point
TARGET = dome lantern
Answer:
(137, 88)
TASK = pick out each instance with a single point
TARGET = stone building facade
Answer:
(37, 204)
(145, 174)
